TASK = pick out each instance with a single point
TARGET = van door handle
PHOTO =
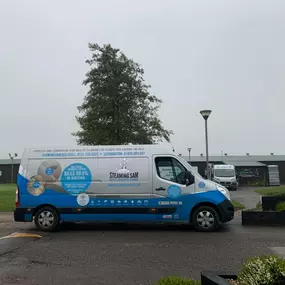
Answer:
(160, 189)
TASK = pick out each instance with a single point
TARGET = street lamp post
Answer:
(189, 150)
(205, 114)
(12, 166)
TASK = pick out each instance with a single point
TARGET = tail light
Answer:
(17, 204)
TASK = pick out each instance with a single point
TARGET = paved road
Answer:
(131, 254)
(247, 196)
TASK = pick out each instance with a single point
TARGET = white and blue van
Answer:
(116, 184)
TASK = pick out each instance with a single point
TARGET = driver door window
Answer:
(170, 169)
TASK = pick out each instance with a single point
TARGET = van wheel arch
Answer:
(208, 204)
(44, 206)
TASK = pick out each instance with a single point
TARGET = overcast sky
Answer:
(224, 55)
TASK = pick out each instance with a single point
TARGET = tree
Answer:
(118, 108)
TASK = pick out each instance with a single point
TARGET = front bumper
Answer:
(227, 211)
(230, 185)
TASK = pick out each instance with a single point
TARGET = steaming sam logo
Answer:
(123, 173)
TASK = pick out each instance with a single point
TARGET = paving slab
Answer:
(279, 250)
(246, 196)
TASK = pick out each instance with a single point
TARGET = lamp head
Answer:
(205, 114)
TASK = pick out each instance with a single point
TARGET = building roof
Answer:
(247, 163)
(229, 158)
(240, 160)
(8, 161)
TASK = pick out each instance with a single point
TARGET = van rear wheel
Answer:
(205, 219)
(47, 219)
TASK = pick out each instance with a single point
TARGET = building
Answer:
(6, 170)
(252, 170)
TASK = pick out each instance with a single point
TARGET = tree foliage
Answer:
(118, 108)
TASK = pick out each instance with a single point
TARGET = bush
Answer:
(237, 205)
(174, 280)
(259, 206)
(264, 270)
(280, 207)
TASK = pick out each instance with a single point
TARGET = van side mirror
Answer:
(190, 179)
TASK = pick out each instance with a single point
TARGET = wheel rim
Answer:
(205, 219)
(46, 219)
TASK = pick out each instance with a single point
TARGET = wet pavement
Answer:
(246, 196)
(130, 254)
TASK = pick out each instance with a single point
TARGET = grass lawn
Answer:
(7, 197)
(237, 205)
(272, 191)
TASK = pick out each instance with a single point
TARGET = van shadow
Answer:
(65, 227)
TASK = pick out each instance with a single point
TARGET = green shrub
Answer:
(259, 206)
(237, 205)
(174, 280)
(280, 207)
(264, 270)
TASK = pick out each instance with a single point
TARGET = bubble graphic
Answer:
(201, 184)
(83, 199)
(174, 191)
(36, 185)
(50, 170)
(76, 178)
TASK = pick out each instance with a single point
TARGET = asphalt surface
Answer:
(246, 196)
(128, 254)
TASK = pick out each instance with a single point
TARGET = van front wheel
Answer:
(205, 219)
(47, 219)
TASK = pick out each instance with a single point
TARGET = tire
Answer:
(205, 219)
(47, 219)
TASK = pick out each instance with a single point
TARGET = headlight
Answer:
(224, 191)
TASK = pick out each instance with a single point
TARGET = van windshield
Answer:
(224, 173)
(184, 162)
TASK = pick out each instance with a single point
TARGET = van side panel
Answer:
(127, 176)
(166, 210)
(115, 209)
(104, 184)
